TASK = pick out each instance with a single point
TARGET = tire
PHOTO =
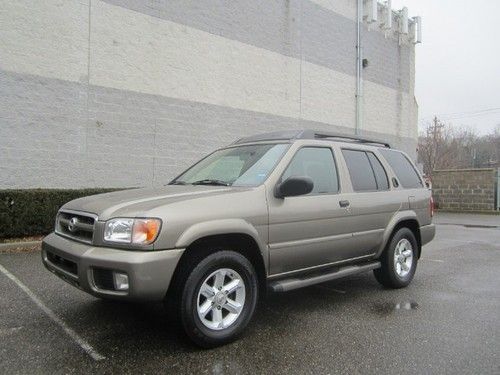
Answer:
(398, 266)
(238, 293)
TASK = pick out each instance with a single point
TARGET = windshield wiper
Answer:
(210, 182)
(178, 183)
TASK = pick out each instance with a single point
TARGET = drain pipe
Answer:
(359, 70)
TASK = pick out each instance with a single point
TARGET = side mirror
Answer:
(294, 186)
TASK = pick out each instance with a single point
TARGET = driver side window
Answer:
(318, 164)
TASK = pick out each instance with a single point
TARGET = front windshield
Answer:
(235, 166)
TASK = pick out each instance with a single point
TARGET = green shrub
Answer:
(29, 212)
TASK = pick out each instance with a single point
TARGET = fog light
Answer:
(121, 281)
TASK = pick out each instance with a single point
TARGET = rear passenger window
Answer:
(366, 171)
(318, 164)
(360, 170)
(405, 171)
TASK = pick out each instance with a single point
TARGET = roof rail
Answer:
(289, 135)
(352, 138)
(284, 135)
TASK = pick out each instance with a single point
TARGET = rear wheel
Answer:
(218, 298)
(399, 260)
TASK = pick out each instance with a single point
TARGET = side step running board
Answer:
(284, 285)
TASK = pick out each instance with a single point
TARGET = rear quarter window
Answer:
(403, 168)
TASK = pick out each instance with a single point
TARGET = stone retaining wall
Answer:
(464, 189)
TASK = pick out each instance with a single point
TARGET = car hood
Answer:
(138, 202)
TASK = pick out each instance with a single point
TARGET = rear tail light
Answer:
(431, 207)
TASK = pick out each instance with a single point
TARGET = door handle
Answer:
(344, 203)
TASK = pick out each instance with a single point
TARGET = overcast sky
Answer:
(458, 62)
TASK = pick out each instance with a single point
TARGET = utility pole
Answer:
(435, 129)
(434, 133)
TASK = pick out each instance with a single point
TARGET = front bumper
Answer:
(149, 272)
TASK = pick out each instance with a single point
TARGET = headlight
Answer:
(135, 231)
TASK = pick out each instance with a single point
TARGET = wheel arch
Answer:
(406, 219)
(205, 244)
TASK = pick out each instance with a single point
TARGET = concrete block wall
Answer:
(118, 93)
(464, 189)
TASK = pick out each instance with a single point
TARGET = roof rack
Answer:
(289, 135)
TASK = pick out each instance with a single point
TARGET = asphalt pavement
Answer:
(447, 321)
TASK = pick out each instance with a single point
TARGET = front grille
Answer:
(103, 279)
(62, 263)
(76, 225)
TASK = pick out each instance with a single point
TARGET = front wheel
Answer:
(398, 261)
(218, 298)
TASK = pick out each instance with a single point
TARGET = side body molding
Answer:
(397, 218)
(223, 226)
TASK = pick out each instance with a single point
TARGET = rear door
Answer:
(372, 202)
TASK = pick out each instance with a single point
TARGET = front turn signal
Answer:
(145, 231)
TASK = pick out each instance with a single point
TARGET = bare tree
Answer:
(431, 150)
(443, 147)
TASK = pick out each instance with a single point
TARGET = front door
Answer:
(309, 230)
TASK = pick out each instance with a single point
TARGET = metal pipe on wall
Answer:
(359, 70)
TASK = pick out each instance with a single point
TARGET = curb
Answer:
(484, 226)
(448, 211)
(14, 245)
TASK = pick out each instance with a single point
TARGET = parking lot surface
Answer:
(446, 321)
